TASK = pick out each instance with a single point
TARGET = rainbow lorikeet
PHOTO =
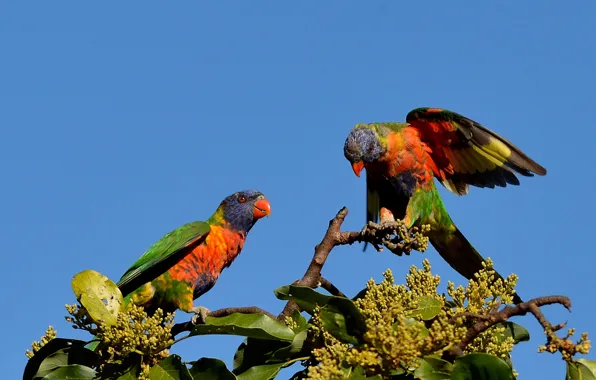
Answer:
(401, 160)
(200, 251)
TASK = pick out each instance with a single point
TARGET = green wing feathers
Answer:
(162, 255)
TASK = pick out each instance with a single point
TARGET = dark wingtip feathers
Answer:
(523, 164)
(517, 161)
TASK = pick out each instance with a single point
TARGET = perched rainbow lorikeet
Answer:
(401, 160)
(200, 251)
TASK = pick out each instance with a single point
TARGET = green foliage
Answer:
(72, 371)
(409, 328)
(581, 369)
(58, 353)
(210, 369)
(480, 366)
(387, 331)
(249, 325)
(128, 343)
(514, 331)
(433, 367)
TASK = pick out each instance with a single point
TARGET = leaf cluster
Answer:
(386, 331)
(130, 344)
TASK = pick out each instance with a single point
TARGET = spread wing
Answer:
(467, 153)
(163, 255)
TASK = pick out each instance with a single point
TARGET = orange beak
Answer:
(261, 208)
(357, 167)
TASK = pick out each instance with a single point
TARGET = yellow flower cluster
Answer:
(397, 339)
(485, 293)
(330, 355)
(36, 346)
(419, 239)
(137, 332)
(291, 323)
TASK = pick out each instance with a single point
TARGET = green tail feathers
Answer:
(460, 254)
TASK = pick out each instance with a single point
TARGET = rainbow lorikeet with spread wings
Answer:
(401, 160)
(187, 262)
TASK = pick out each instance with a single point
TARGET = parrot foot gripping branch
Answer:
(396, 237)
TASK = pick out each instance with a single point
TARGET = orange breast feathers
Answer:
(406, 152)
(218, 251)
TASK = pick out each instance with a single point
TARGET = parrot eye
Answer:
(241, 199)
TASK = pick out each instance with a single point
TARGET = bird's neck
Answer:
(217, 219)
(232, 219)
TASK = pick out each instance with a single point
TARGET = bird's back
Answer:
(194, 275)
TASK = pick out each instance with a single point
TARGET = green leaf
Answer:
(53, 352)
(301, 322)
(358, 373)
(171, 368)
(517, 332)
(261, 372)
(341, 318)
(356, 376)
(304, 296)
(253, 352)
(338, 314)
(210, 369)
(422, 329)
(75, 354)
(581, 369)
(131, 373)
(433, 367)
(428, 308)
(52, 362)
(71, 372)
(335, 323)
(398, 371)
(99, 295)
(241, 358)
(79, 354)
(404, 376)
(479, 366)
(250, 325)
(291, 351)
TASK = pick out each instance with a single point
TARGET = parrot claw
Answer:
(201, 314)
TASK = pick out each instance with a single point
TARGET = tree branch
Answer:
(488, 320)
(373, 233)
(328, 286)
(312, 276)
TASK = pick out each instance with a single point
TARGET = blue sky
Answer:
(120, 123)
